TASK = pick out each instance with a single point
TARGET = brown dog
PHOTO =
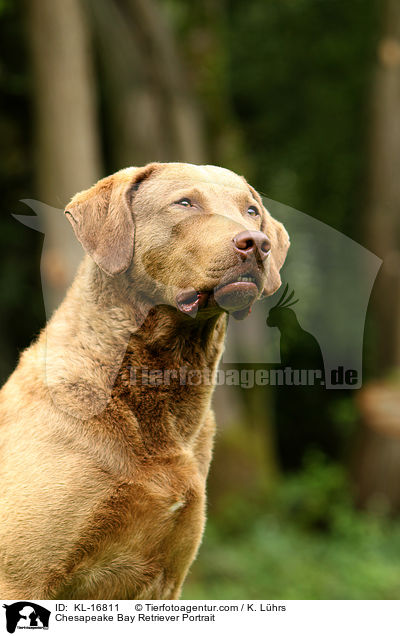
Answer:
(103, 469)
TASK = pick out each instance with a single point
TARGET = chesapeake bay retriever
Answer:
(103, 471)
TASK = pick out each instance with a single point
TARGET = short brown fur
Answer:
(102, 476)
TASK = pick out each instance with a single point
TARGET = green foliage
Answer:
(307, 542)
(300, 73)
(316, 497)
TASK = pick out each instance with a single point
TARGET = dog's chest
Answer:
(153, 521)
(151, 530)
(167, 404)
(170, 507)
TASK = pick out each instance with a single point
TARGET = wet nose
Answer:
(249, 243)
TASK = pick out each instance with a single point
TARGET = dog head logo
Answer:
(26, 615)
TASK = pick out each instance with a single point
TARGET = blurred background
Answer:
(303, 98)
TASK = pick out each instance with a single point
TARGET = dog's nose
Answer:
(248, 243)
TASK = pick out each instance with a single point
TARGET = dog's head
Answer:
(195, 237)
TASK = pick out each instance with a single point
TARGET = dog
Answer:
(103, 468)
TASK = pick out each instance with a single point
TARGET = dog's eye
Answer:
(253, 211)
(185, 202)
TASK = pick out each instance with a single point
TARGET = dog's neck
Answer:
(166, 377)
(101, 344)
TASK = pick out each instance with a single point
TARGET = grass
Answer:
(308, 543)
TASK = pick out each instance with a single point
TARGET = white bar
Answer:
(272, 618)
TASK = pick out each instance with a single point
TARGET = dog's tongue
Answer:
(190, 301)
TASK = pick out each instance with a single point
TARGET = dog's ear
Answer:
(279, 246)
(103, 218)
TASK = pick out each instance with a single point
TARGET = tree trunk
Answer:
(67, 146)
(152, 113)
(383, 220)
(377, 459)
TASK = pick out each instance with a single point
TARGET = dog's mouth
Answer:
(235, 295)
